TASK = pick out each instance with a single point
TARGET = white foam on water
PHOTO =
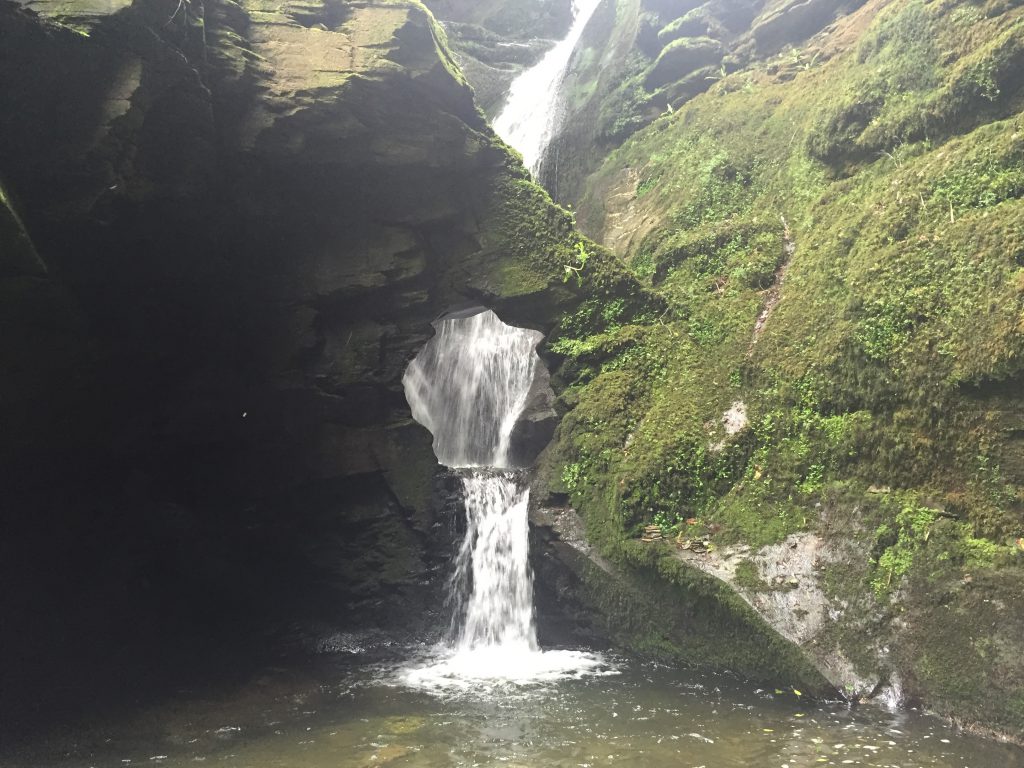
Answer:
(487, 668)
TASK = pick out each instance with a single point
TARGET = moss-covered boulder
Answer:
(697, 23)
(719, 19)
(682, 57)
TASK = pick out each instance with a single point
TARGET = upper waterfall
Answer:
(469, 385)
(530, 116)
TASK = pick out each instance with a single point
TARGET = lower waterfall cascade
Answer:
(492, 573)
(469, 386)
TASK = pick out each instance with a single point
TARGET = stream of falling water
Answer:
(468, 387)
(530, 116)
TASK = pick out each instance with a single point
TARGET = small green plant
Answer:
(665, 519)
(647, 184)
(611, 312)
(902, 538)
(813, 480)
(983, 77)
(720, 75)
(572, 476)
(573, 347)
(983, 179)
(799, 60)
(885, 327)
(575, 269)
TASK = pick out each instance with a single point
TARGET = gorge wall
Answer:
(226, 228)
(826, 416)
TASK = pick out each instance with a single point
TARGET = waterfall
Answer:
(468, 386)
(492, 579)
(530, 117)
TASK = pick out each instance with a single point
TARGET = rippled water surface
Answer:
(345, 712)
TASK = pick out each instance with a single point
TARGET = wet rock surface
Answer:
(783, 583)
(536, 424)
(687, 620)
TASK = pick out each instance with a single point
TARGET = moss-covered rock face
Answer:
(640, 59)
(835, 231)
(643, 598)
(788, 22)
(511, 18)
(681, 58)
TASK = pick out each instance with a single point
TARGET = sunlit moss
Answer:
(839, 243)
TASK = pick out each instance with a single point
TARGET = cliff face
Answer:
(827, 416)
(226, 228)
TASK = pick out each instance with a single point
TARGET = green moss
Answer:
(443, 49)
(963, 648)
(698, 21)
(898, 541)
(865, 215)
(528, 242)
(989, 171)
(626, 109)
(748, 577)
(918, 77)
(516, 279)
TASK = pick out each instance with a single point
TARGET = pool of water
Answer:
(346, 710)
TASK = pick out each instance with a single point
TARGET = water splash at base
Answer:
(489, 668)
